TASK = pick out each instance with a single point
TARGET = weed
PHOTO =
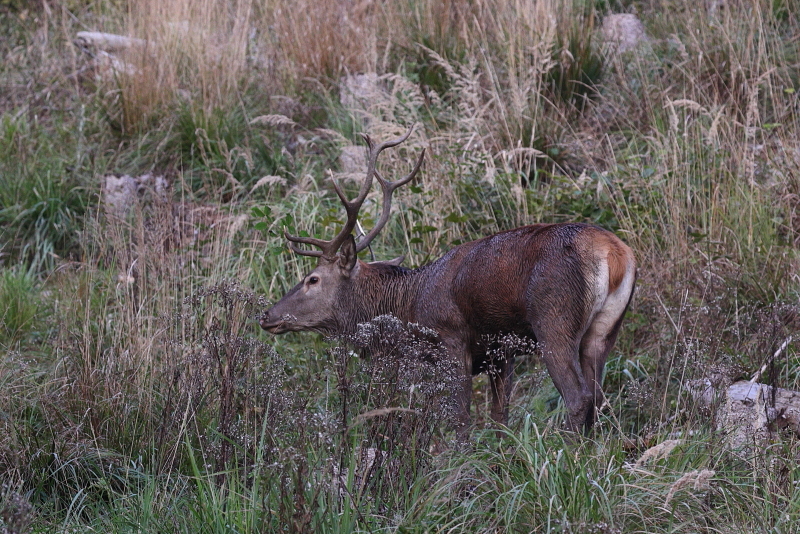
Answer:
(403, 389)
(41, 203)
(16, 512)
(221, 373)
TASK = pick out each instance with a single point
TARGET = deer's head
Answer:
(317, 303)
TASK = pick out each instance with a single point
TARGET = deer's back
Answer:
(494, 284)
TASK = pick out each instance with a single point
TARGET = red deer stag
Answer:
(565, 285)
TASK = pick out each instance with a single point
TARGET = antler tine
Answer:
(388, 188)
(292, 239)
(328, 249)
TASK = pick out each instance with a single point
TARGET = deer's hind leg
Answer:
(561, 359)
(595, 346)
(558, 322)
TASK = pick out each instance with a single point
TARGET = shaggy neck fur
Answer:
(378, 289)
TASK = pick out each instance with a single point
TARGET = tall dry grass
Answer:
(195, 53)
(124, 402)
(323, 41)
(717, 152)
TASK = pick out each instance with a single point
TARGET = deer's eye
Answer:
(313, 280)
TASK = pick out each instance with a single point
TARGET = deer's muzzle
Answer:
(273, 325)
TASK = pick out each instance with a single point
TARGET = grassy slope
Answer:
(136, 393)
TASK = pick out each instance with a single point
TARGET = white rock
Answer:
(121, 193)
(359, 91)
(353, 160)
(622, 32)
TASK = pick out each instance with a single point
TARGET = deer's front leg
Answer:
(501, 376)
(459, 356)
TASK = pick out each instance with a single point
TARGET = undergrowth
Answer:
(136, 390)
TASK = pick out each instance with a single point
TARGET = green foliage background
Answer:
(136, 390)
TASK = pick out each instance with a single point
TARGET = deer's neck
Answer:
(380, 290)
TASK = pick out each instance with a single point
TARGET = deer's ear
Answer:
(396, 262)
(347, 254)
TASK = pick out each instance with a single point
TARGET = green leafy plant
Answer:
(20, 305)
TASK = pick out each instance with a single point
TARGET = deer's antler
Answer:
(328, 249)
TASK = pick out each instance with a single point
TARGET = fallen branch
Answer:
(758, 373)
(107, 42)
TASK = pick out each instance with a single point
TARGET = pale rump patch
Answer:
(614, 283)
(618, 255)
(621, 277)
(619, 258)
